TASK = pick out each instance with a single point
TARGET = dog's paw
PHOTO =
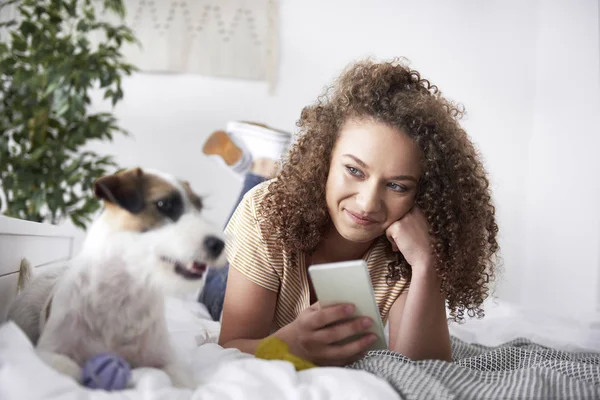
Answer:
(61, 363)
(180, 376)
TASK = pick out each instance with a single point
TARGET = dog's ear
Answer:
(124, 189)
(194, 198)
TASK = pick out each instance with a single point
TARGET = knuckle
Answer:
(337, 314)
(339, 330)
(323, 336)
(319, 319)
(358, 345)
(330, 315)
(302, 323)
(332, 335)
(358, 325)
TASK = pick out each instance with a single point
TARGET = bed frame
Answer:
(43, 245)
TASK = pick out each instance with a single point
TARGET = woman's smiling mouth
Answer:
(359, 219)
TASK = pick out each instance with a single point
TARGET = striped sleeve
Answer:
(385, 294)
(247, 249)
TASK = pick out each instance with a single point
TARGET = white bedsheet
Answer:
(222, 373)
(505, 321)
(230, 374)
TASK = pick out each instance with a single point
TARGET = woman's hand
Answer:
(410, 236)
(313, 334)
(418, 324)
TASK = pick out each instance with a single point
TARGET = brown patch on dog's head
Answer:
(124, 189)
(138, 201)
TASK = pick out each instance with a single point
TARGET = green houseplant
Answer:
(48, 69)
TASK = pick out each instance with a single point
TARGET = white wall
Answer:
(563, 188)
(484, 54)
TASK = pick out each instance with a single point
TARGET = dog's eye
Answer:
(171, 207)
(165, 205)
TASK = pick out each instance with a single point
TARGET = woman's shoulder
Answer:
(248, 214)
(258, 192)
(254, 197)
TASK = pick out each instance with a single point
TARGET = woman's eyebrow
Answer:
(394, 178)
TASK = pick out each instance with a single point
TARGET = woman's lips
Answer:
(359, 219)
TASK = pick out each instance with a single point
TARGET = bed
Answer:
(222, 373)
(513, 353)
(43, 245)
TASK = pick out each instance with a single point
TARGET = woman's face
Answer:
(372, 179)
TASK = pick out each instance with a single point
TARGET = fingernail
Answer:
(349, 309)
(367, 322)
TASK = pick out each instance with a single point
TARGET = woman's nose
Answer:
(368, 199)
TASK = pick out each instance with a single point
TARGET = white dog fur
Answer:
(150, 241)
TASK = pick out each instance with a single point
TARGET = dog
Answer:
(150, 240)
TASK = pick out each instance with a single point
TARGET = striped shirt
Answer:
(255, 256)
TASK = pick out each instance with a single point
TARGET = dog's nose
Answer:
(214, 246)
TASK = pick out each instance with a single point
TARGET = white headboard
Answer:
(43, 245)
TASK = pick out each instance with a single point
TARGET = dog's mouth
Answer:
(190, 270)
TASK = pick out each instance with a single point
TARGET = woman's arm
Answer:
(248, 313)
(247, 319)
(418, 324)
(251, 300)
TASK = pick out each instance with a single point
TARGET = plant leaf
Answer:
(37, 153)
(48, 73)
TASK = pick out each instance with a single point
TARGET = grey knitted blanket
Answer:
(518, 369)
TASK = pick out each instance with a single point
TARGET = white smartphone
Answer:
(349, 282)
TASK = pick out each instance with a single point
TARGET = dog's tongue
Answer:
(197, 267)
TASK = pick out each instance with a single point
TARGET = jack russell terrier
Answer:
(149, 241)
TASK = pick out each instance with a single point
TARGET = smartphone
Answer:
(349, 282)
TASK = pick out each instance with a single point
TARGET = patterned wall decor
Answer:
(227, 38)
(224, 38)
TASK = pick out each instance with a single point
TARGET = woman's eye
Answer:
(397, 187)
(353, 171)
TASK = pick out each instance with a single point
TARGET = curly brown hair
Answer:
(453, 191)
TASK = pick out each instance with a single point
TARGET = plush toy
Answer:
(273, 348)
(106, 371)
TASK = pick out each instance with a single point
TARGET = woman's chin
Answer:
(360, 235)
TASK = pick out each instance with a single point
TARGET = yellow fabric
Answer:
(273, 348)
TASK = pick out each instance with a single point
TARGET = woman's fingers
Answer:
(342, 330)
(320, 332)
(349, 352)
(322, 317)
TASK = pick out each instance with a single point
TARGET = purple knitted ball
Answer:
(106, 371)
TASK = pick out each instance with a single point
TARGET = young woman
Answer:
(382, 171)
